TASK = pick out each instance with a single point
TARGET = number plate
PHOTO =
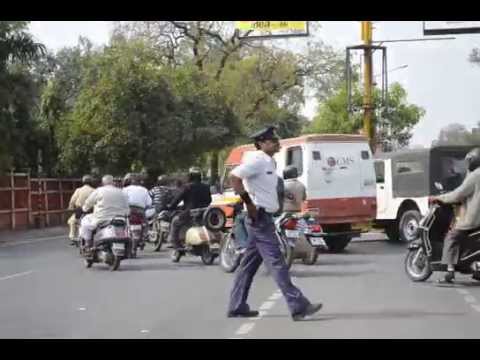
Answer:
(317, 241)
(292, 233)
(118, 246)
(135, 227)
(215, 246)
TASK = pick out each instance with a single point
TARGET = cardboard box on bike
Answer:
(338, 173)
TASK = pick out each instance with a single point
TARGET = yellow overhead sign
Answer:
(271, 25)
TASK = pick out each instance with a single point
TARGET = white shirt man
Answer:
(77, 201)
(259, 177)
(108, 202)
(137, 196)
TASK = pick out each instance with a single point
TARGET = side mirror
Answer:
(438, 186)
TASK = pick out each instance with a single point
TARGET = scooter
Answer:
(112, 244)
(424, 254)
(203, 236)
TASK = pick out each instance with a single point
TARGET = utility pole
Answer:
(368, 120)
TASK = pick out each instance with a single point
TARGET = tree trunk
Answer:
(214, 167)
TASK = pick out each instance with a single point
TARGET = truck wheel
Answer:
(391, 230)
(337, 244)
(408, 225)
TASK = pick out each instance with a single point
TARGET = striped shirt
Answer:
(161, 195)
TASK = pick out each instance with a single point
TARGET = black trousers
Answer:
(178, 222)
(451, 246)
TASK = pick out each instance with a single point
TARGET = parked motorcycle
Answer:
(203, 236)
(425, 253)
(112, 244)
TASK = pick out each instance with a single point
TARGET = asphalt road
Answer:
(45, 292)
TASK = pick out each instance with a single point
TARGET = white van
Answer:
(338, 173)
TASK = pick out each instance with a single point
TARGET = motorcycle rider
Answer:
(107, 202)
(76, 202)
(138, 196)
(468, 195)
(161, 194)
(295, 191)
(195, 195)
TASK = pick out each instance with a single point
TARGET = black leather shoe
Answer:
(246, 314)
(310, 310)
(448, 278)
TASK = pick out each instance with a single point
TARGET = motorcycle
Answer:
(111, 244)
(137, 228)
(424, 254)
(154, 235)
(297, 236)
(203, 236)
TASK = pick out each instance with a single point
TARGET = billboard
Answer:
(265, 29)
(450, 27)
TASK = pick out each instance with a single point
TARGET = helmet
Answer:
(129, 179)
(290, 172)
(473, 159)
(162, 180)
(195, 174)
(87, 179)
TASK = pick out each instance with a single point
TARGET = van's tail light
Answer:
(290, 224)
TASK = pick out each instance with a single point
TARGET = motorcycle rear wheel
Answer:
(115, 263)
(88, 263)
(229, 258)
(207, 256)
(421, 269)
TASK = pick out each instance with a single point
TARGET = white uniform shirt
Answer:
(137, 196)
(107, 202)
(258, 172)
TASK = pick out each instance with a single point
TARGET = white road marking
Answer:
(470, 299)
(275, 297)
(144, 331)
(245, 328)
(82, 308)
(267, 305)
(16, 275)
(15, 243)
(475, 307)
(234, 338)
(463, 291)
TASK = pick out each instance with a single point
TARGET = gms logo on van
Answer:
(341, 161)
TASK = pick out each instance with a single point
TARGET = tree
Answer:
(394, 125)
(457, 134)
(131, 112)
(261, 83)
(19, 92)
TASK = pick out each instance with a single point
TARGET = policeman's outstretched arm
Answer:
(239, 189)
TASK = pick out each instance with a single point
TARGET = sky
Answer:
(438, 77)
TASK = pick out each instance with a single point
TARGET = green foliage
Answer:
(394, 123)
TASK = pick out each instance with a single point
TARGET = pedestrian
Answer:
(256, 182)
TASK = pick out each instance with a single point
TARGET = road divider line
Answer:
(475, 307)
(470, 299)
(16, 275)
(245, 328)
(267, 305)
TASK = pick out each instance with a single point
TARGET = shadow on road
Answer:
(342, 262)
(311, 273)
(380, 315)
(161, 266)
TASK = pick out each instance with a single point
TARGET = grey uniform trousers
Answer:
(263, 246)
(451, 246)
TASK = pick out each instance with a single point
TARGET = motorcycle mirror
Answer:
(438, 186)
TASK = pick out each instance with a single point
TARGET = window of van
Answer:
(295, 158)
(403, 167)
(380, 171)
